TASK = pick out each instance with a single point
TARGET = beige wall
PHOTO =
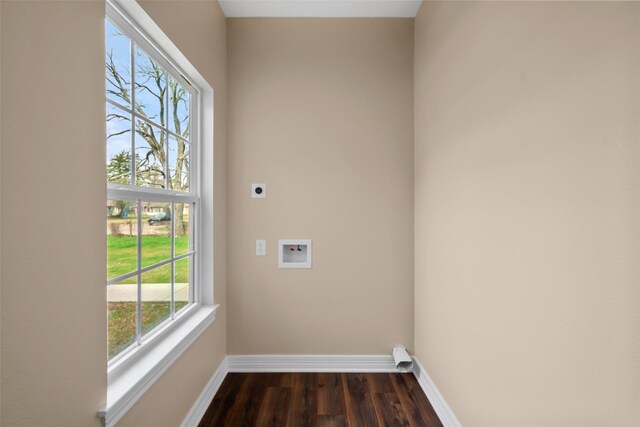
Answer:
(0, 211)
(526, 203)
(527, 210)
(53, 263)
(53, 344)
(321, 111)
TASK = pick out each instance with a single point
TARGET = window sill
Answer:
(131, 377)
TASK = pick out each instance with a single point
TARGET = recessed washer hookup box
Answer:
(294, 253)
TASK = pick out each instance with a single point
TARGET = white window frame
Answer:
(138, 194)
(132, 372)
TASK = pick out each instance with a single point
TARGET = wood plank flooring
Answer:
(320, 400)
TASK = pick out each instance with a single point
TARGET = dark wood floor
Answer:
(320, 399)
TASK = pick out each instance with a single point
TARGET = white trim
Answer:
(438, 403)
(320, 8)
(311, 363)
(205, 215)
(130, 192)
(199, 408)
(129, 384)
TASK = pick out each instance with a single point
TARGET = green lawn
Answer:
(122, 321)
(121, 257)
(123, 218)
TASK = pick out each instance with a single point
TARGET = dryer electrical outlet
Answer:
(258, 191)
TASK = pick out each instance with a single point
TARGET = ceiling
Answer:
(320, 8)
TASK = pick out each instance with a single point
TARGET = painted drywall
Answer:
(321, 111)
(0, 210)
(53, 244)
(527, 210)
(53, 348)
(198, 29)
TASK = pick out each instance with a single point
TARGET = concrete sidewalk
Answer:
(150, 292)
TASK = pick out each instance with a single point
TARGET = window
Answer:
(160, 216)
(152, 192)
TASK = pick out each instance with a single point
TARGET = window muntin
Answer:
(162, 101)
(152, 197)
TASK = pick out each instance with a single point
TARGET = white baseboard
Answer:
(311, 363)
(204, 400)
(435, 398)
(321, 363)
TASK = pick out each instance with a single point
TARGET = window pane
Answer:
(150, 155)
(118, 145)
(178, 164)
(122, 300)
(179, 100)
(156, 297)
(151, 88)
(148, 137)
(181, 228)
(156, 232)
(182, 283)
(122, 224)
(118, 65)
